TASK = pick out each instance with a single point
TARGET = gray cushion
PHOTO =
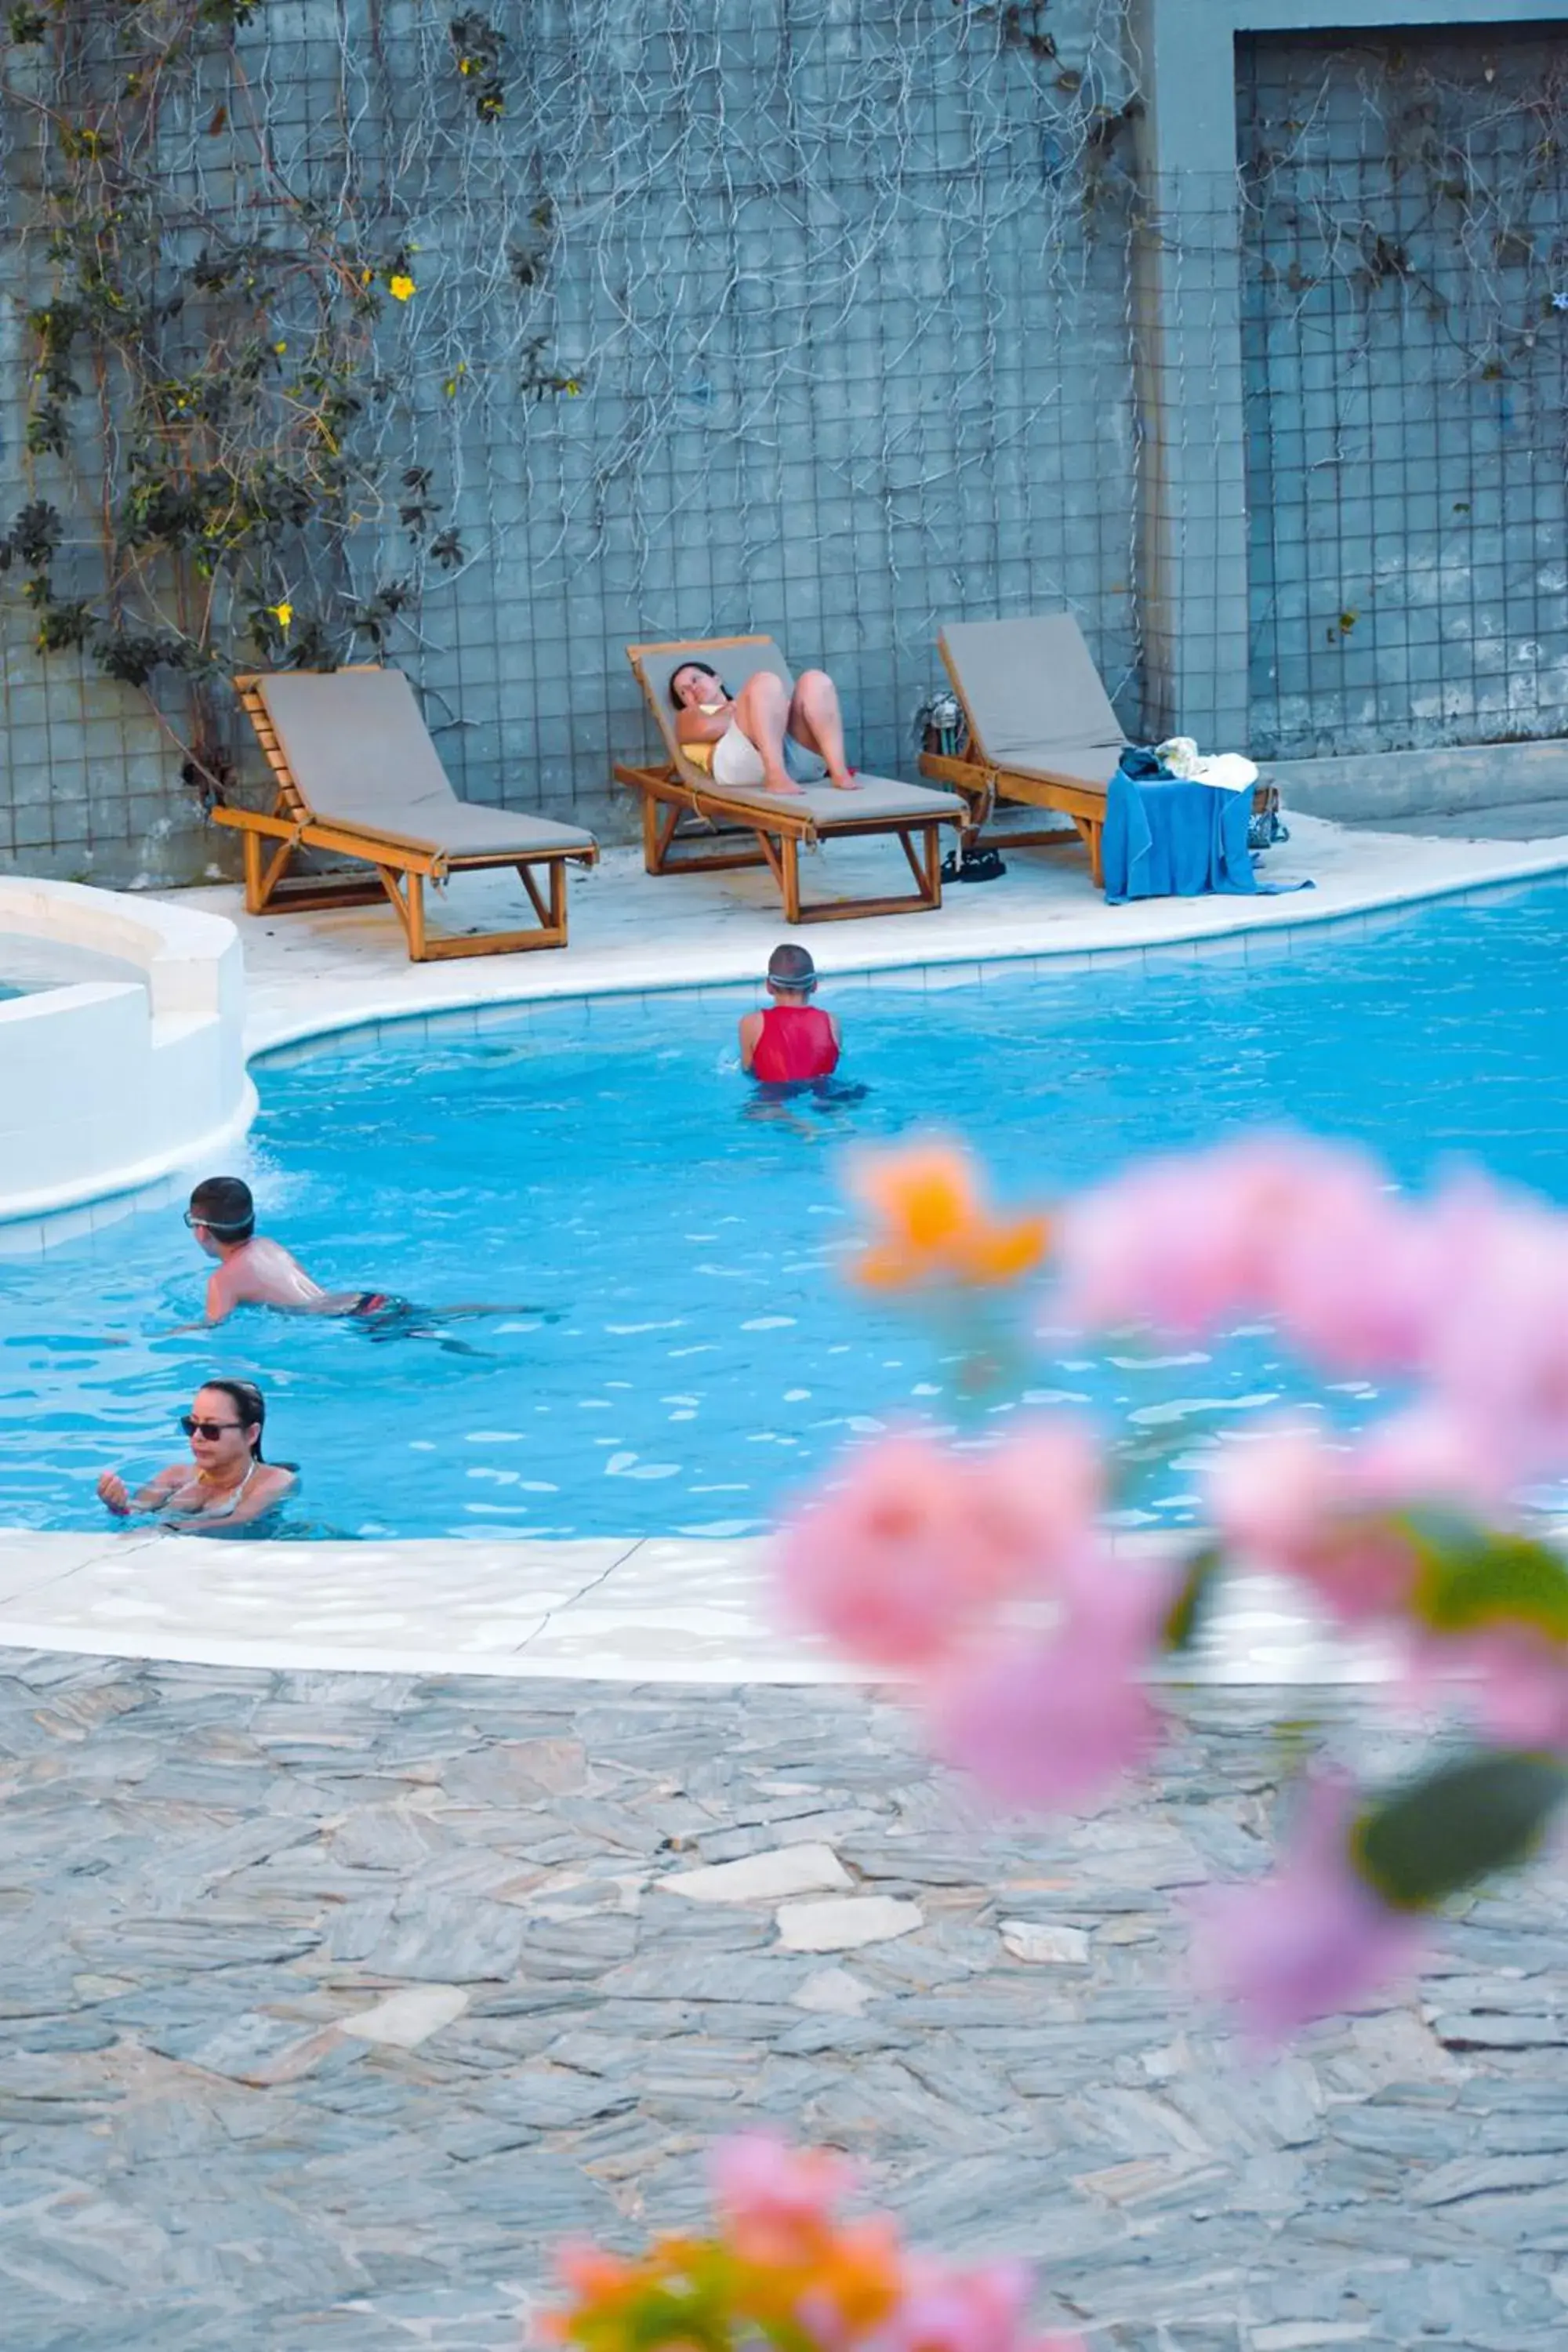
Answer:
(1072, 763)
(358, 751)
(1029, 682)
(874, 796)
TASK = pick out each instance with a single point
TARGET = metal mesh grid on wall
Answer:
(1405, 343)
(796, 315)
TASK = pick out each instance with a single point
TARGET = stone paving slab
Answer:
(327, 2003)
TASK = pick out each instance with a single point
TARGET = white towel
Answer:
(1228, 772)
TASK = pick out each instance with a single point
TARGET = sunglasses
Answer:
(210, 1430)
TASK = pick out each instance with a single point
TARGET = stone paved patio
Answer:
(331, 2001)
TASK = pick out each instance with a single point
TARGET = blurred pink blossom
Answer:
(921, 1543)
(947, 2309)
(775, 2198)
(1313, 1938)
(950, 2309)
(1499, 1351)
(1428, 1453)
(1517, 1681)
(1054, 1718)
(1181, 1243)
(1293, 1499)
(1353, 1270)
(1271, 1493)
(1037, 1495)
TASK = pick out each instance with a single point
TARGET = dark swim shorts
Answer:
(383, 1313)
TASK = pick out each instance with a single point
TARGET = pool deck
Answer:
(632, 1608)
(636, 934)
(335, 1997)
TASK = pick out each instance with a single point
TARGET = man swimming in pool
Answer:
(253, 1271)
(764, 734)
(794, 1040)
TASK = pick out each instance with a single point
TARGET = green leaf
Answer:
(1189, 1611)
(1484, 1813)
(1469, 1577)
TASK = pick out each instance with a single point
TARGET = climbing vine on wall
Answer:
(222, 429)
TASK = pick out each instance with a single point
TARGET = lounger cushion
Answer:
(1029, 682)
(1072, 763)
(874, 796)
(360, 754)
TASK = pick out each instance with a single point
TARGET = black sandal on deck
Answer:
(974, 866)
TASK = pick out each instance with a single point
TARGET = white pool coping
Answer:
(641, 1608)
(629, 1609)
(633, 934)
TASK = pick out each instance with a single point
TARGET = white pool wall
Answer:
(112, 1091)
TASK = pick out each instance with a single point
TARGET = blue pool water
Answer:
(606, 1163)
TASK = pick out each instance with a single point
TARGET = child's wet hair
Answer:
(224, 1204)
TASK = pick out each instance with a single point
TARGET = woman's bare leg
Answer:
(761, 713)
(815, 720)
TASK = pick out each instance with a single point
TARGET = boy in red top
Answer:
(792, 1041)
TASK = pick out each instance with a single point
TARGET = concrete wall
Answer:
(845, 290)
(882, 316)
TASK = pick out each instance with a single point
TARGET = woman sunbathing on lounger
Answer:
(763, 735)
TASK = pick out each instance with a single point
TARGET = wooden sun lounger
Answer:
(1042, 732)
(776, 826)
(359, 777)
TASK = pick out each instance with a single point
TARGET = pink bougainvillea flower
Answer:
(1181, 1243)
(887, 1566)
(1428, 1454)
(776, 2200)
(947, 2309)
(1035, 1497)
(1352, 1277)
(1304, 1232)
(1054, 1718)
(1287, 1499)
(1326, 1510)
(1272, 1493)
(1498, 1355)
(1313, 1938)
(921, 1543)
(1516, 1679)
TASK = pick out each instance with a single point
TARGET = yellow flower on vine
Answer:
(400, 286)
(280, 349)
(282, 614)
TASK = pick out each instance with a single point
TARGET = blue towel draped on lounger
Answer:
(1167, 839)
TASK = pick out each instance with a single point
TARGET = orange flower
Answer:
(936, 1226)
(858, 2282)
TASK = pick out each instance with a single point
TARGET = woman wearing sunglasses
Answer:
(226, 1486)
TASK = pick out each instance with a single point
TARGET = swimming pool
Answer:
(605, 1162)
